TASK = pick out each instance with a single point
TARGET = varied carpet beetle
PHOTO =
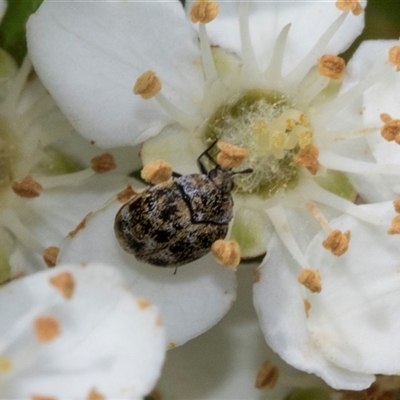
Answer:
(175, 222)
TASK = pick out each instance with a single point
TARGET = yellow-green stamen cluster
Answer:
(273, 132)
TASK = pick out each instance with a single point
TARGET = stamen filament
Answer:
(326, 138)
(31, 157)
(48, 137)
(9, 105)
(10, 221)
(273, 73)
(250, 67)
(344, 99)
(299, 72)
(309, 94)
(314, 192)
(319, 217)
(186, 120)
(339, 163)
(280, 222)
(72, 179)
(42, 105)
(210, 71)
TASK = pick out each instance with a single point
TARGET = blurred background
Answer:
(382, 21)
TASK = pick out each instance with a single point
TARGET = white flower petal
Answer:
(89, 56)
(371, 187)
(64, 207)
(267, 18)
(107, 341)
(191, 301)
(176, 146)
(369, 55)
(383, 97)
(56, 212)
(279, 301)
(355, 320)
(223, 363)
(82, 151)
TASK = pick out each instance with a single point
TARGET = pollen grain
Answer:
(349, 5)
(391, 128)
(147, 85)
(307, 158)
(332, 67)
(204, 11)
(396, 205)
(227, 253)
(231, 156)
(394, 57)
(311, 279)
(156, 172)
(103, 163)
(50, 256)
(27, 188)
(395, 228)
(337, 242)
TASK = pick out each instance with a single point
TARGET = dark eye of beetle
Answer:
(213, 173)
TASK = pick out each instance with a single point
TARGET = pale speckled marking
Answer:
(39, 397)
(307, 307)
(143, 303)
(95, 395)
(46, 328)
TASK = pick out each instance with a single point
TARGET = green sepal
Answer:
(12, 27)
(338, 183)
(8, 66)
(55, 162)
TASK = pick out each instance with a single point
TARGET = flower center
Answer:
(271, 129)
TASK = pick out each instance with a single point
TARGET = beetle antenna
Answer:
(244, 171)
(202, 167)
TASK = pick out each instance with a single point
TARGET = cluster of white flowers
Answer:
(74, 332)
(321, 205)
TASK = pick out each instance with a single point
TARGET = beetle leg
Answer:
(202, 167)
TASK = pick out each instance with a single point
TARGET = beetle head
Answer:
(222, 177)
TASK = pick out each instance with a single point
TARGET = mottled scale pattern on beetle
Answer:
(209, 200)
(176, 222)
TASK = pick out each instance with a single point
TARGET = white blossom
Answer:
(76, 332)
(272, 83)
(45, 188)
